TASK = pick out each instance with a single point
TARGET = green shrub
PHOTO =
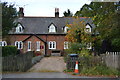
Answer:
(74, 48)
(9, 50)
(100, 70)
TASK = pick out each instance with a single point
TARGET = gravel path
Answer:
(49, 64)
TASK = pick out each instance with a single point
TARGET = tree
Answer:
(78, 36)
(107, 23)
(68, 13)
(9, 14)
(106, 17)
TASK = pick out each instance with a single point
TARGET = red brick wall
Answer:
(14, 38)
(33, 40)
(58, 38)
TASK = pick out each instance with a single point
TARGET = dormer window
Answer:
(88, 28)
(19, 28)
(52, 28)
(66, 29)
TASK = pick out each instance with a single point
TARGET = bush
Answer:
(74, 48)
(9, 50)
(100, 70)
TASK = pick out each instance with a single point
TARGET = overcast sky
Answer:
(47, 7)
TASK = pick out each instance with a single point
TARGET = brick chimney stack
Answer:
(21, 12)
(56, 12)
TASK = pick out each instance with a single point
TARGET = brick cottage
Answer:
(44, 35)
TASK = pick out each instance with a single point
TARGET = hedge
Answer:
(9, 50)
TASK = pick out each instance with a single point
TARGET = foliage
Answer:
(9, 13)
(106, 17)
(77, 32)
(92, 65)
(100, 70)
(74, 48)
(9, 50)
(78, 37)
(68, 13)
(85, 53)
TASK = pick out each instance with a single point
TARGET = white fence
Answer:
(112, 59)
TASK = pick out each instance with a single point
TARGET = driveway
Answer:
(49, 64)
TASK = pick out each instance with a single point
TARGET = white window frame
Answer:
(53, 45)
(88, 28)
(52, 28)
(19, 42)
(89, 45)
(65, 45)
(66, 29)
(18, 29)
(38, 46)
(3, 43)
(29, 45)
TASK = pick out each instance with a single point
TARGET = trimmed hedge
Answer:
(9, 50)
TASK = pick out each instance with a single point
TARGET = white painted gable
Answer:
(52, 28)
(19, 28)
(65, 29)
(88, 28)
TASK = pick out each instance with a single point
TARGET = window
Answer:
(89, 46)
(19, 29)
(3, 43)
(66, 29)
(19, 44)
(65, 45)
(52, 28)
(52, 45)
(29, 45)
(38, 46)
(88, 28)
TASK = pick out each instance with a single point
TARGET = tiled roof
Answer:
(39, 25)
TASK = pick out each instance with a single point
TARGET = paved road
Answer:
(49, 76)
(49, 64)
(41, 75)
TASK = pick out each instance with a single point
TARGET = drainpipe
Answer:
(46, 46)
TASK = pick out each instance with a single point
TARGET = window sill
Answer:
(38, 50)
(65, 48)
(29, 50)
(89, 48)
(52, 48)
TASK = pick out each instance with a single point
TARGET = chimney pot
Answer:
(21, 12)
(56, 12)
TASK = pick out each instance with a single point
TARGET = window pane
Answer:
(20, 45)
(4, 44)
(53, 44)
(38, 45)
(29, 45)
(65, 45)
(50, 44)
(20, 29)
(17, 44)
